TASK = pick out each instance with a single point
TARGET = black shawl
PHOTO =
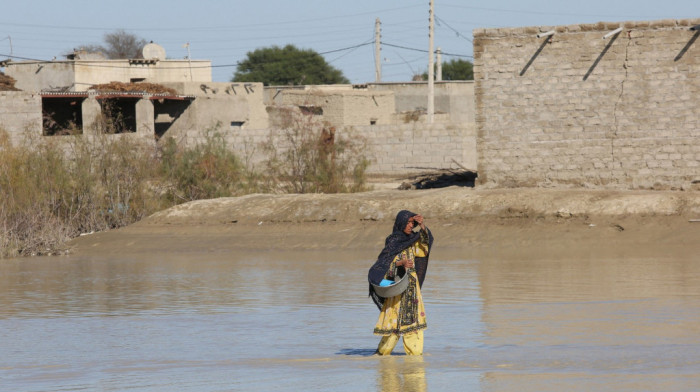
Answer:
(396, 242)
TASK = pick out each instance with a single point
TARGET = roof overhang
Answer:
(115, 94)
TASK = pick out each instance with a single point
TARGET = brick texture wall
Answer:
(20, 113)
(577, 109)
(417, 147)
(393, 150)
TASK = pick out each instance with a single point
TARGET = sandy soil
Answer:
(467, 222)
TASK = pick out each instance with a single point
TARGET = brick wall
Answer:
(416, 147)
(393, 150)
(581, 110)
(20, 112)
(344, 107)
(406, 145)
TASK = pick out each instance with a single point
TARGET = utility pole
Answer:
(377, 51)
(189, 58)
(431, 71)
(438, 54)
(8, 38)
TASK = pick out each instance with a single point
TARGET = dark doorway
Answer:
(166, 112)
(118, 115)
(62, 115)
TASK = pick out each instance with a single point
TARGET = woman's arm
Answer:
(419, 219)
(405, 262)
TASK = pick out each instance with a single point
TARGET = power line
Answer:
(412, 60)
(23, 58)
(545, 13)
(460, 35)
(39, 61)
(348, 48)
(351, 49)
(425, 51)
(210, 28)
(413, 72)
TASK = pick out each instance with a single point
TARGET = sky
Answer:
(342, 31)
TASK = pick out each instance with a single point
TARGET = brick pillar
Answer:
(145, 118)
(91, 113)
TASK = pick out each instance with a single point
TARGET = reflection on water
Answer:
(302, 321)
(405, 374)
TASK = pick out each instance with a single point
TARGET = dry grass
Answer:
(53, 189)
(309, 156)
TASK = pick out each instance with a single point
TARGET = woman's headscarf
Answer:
(396, 242)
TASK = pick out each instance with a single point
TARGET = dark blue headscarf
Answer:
(396, 242)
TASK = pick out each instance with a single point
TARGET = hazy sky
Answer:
(343, 31)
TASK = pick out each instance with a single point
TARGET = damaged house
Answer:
(145, 96)
(154, 97)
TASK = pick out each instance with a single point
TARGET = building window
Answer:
(166, 113)
(62, 115)
(137, 80)
(118, 115)
(313, 110)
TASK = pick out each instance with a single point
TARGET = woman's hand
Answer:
(419, 219)
(406, 263)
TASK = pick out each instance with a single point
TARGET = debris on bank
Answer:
(138, 87)
(440, 179)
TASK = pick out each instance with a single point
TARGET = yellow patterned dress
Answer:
(405, 313)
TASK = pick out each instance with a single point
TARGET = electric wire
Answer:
(39, 61)
(460, 35)
(214, 28)
(349, 48)
(401, 33)
(426, 51)
(545, 13)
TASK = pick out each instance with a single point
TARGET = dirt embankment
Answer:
(496, 223)
(446, 204)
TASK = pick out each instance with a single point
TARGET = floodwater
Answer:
(211, 321)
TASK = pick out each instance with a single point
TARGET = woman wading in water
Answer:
(405, 252)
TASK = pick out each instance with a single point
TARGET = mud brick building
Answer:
(607, 104)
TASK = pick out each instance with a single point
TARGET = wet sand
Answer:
(490, 224)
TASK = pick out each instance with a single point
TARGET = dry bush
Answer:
(113, 120)
(309, 156)
(30, 197)
(111, 177)
(54, 189)
(412, 116)
(208, 170)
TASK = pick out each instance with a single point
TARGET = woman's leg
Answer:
(413, 343)
(387, 344)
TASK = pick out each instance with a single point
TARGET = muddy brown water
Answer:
(218, 321)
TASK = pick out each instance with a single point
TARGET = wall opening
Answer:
(237, 124)
(166, 112)
(137, 80)
(313, 110)
(62, 115)
(118, 115)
